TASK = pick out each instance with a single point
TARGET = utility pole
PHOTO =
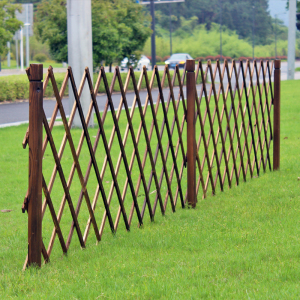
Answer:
(17, 47)
(152, 12)
(80, 51)
(291, 39)
(275, 36)
(8, 54)
(221, 29)
(253, 19)
(21, 49)
(27, 24)
(153, 47)
(170, 29)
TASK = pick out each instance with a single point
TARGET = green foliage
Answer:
(8, 24)
(51, 27)
(237, 15)
(16, 86)
(36, 46)
(201, 43)
(120, 28)
(40, 57)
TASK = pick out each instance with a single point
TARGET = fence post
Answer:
(35, 75)
(276, 141)
(191, 140)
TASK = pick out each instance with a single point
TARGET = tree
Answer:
(237, 15)
(9, 24)
(120, 28)
(51, 27)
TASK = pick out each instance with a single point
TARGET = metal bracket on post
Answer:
(276, 111)
(191, 140)
(35, 75)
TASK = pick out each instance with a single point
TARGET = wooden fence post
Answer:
(35, 164)
(191, 140)
(276, 141)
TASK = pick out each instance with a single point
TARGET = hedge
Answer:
(17, 86)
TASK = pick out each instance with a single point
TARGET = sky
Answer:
(278, 7)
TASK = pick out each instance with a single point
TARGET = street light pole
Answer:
(17, 49)
(8, 54)
(276, 36)
(27, 36)
(253, 45)
(221, 30)
(170, 30)
(21, 49)
(153, 54)
(152, 12)
(291, 39)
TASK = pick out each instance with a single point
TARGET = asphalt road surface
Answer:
(17, 112)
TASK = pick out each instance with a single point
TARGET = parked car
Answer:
(177, 59)
(144, 61)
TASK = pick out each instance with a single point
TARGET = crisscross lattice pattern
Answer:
(144, 138)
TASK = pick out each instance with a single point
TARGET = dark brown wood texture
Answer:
(35, 164)
(276, 146)
(191, 133)
(196, 143)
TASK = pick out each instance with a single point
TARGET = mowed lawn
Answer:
(240, 244)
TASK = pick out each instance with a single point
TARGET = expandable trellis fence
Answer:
(188, 133)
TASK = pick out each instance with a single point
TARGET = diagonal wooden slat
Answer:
(228, 128)
(243, 126)
(54, 217)
(235, 116)
(95, 165)
(158, 134)
(112, 109)
(135, 144)
(63, 180)
(74, 154)
(212, 128)
(147, 136)
(157, 151)
(253, 114)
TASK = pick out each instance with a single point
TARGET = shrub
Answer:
(159, 59)
(17, 87)
(210, 57)
(40, 57)
(166, 57)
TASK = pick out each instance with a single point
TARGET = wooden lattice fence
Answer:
(227, 139)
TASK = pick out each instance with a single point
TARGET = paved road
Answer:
(17, 112)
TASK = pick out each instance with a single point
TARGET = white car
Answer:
(144, 61)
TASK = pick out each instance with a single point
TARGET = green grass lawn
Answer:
(240, 244)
